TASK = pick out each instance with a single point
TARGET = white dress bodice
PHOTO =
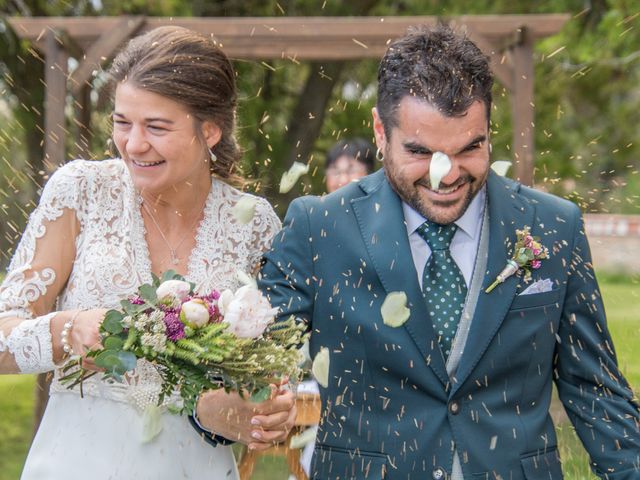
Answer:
(112, 260)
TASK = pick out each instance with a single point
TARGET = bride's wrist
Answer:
(65, 335)
(59, 329)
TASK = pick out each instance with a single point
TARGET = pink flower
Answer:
(536, 251)
(175, 328)
(535, 264)
(528, 241)
(136, 300)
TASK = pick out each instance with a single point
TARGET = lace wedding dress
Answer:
(100, 436)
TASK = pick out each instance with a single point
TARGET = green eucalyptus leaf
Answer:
(148, 293)
(113, 343)
(112, 322)
(171, 275)
(116, 362)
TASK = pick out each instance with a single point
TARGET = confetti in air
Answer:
(320, 367)
(438, 168)
(394, 309)
(290, 177)
(245, 209)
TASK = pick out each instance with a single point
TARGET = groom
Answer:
(462, 388)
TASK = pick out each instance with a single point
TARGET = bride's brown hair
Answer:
(190, 69)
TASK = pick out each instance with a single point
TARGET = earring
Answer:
(110, 150)
(379, 155)
(212, 156)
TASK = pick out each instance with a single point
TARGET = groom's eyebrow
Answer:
(476, 141)
(416, 148)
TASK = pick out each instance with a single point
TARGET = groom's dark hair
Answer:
(438, 65)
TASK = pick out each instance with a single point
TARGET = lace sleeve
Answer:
(37, 273)
(266, 224)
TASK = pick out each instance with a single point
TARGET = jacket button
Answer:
(454, 408)
(438, 474)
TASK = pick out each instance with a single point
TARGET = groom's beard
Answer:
(440, 212)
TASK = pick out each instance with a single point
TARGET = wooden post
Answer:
(522, 107)
(55, 77)
(82, 104)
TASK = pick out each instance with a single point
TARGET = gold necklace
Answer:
(175, 260)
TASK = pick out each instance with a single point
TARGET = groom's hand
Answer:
(258, 425)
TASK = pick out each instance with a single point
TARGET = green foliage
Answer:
(586, 98)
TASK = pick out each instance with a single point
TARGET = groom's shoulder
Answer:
(545, 203)
(340, 200)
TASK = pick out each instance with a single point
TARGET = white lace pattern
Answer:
(112, 260)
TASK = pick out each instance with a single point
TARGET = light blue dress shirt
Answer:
(464, 245)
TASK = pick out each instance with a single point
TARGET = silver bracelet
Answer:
(64, 334)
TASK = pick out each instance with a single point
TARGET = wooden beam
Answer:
(500, 64)
(102, 51)
(522, 108)
(55, 77)
(305, 38)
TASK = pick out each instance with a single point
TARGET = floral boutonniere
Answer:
(527, 256)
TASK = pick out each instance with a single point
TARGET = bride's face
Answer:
(158, 140)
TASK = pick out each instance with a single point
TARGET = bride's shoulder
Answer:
(91, 171)
(239, 202)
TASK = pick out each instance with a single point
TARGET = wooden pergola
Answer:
(93, 41)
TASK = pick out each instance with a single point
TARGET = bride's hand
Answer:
(258, 425)
(85, 334)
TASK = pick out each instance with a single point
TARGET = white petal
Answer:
(394, 309)
(320, 367)
(151, 423)
(501, 167)
(290, 178)
(439, 166)
(245, 209)
(246, 279)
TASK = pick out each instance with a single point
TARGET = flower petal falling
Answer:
(394, 309)
(245, 209)
(320, 367)
(438, 168)
(501, 167)
(290, 177)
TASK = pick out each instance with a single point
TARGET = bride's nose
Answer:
(136, 142)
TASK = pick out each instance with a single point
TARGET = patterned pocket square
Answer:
(539, 286)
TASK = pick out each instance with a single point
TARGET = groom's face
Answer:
(423, 130)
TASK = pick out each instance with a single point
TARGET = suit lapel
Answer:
(381, 221)
(507, 213)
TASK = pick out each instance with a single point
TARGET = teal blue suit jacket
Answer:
(390, 409)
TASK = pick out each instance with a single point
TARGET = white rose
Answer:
(248, 313)
(173, 289)
(194, 313)
(223, 302)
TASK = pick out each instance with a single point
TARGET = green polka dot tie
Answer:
(443, 285)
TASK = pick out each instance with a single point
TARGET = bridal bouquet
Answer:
(197, 342)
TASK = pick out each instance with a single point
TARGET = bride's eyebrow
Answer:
(147, 120)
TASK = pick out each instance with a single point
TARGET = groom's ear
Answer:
(378, 130)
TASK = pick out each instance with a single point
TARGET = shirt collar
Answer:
(468, 222)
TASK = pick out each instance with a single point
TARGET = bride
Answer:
(101, 229)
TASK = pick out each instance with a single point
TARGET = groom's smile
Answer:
(420, 131)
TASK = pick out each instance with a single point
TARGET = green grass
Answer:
(622, 300)
(16, 422)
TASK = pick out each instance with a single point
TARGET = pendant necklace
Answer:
(175, 260)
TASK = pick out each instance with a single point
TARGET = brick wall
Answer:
(615, 242)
